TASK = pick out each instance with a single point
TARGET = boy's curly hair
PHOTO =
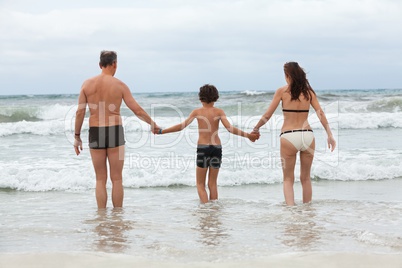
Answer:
(208, 93)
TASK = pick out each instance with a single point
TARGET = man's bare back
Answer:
(104, 95)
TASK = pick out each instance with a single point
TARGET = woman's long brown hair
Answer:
(298, 81)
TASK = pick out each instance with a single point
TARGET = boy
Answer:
(209, 149)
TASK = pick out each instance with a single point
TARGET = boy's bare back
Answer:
(208, 118)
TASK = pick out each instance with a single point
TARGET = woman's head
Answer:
(298, 83)
(208, 93)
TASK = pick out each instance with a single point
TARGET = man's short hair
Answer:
(208, 93)
(107, 58)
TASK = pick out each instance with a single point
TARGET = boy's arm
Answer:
(234, 130)
(180, 126)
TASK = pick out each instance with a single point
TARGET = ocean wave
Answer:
(17, 116)
(255, 93)
(170, 171)
(65, 125)
(388, 105)
(391, 104)
(12, 114)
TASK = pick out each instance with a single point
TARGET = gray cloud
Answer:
(52, 47)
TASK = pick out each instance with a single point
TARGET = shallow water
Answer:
(49, 209)
(248, 222)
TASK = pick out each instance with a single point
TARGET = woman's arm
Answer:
(323, 119)
(270, 111)
(180, 126)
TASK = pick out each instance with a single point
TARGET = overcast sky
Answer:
(178, 45)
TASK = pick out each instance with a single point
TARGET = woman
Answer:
(296, 133)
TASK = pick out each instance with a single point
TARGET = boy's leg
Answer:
(201, 174)
(212, 183)
(99, 162)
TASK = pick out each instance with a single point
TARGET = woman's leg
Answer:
(306, 160)
(99, 162)
(288, 159)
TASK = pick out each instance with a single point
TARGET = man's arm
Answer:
(79, 119)
(137, 109)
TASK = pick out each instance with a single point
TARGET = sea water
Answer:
(48, 202)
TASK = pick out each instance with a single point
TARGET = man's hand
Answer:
(77, 144)
(155, 129)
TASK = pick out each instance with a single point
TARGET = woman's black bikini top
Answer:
(295, 111)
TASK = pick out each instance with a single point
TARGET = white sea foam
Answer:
(143, 170)
(133, 124)
(253, 93)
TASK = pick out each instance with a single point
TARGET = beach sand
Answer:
(299, 260)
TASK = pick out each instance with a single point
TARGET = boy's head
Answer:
(208, 93)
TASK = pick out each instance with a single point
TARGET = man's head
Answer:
(107, 58)
(208, 93)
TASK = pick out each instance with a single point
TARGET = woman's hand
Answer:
(331, 143)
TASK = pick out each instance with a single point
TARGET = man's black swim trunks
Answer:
(106, 137)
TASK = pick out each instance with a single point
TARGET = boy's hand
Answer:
(253, 136)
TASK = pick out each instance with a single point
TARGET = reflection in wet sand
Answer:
(211, 229)
(110, 229)
(300, 229)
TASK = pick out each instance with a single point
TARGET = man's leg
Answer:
(116, 162)
(99, 162)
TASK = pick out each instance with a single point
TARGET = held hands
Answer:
(256, 130)
(253, 136)
(156, 129)
(77, 144)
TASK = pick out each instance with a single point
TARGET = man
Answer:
(104, 95)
